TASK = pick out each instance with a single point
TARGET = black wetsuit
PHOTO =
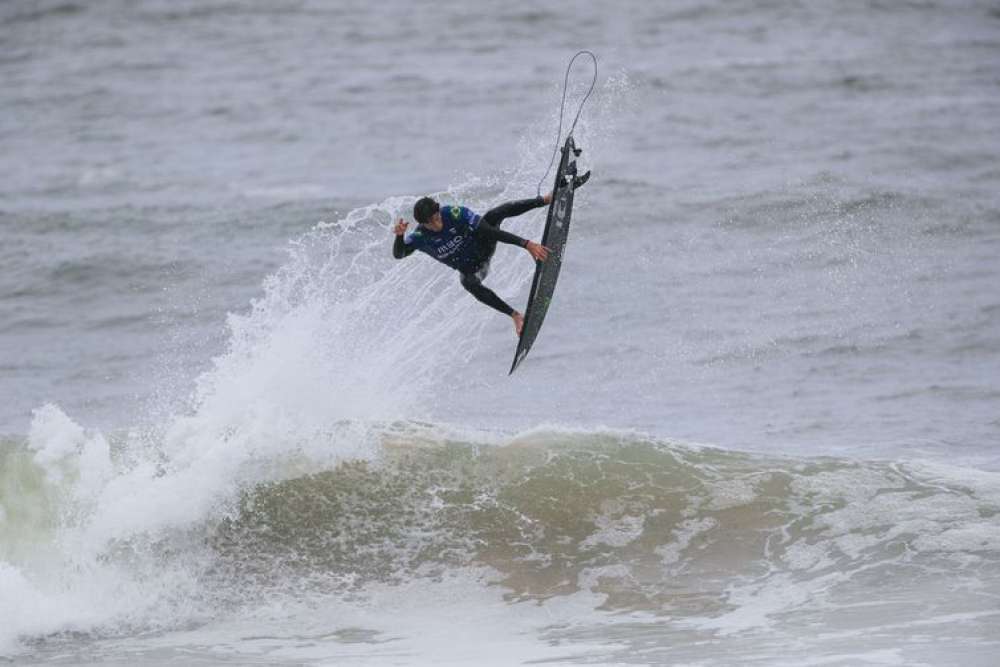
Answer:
(467, 243)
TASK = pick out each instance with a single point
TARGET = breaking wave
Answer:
(724, 541)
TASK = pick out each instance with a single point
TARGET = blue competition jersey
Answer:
(454, 244)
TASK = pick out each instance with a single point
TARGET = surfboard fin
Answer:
(580, 180)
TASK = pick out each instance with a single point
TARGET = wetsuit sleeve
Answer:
(492, 233)
(401, 249)
(484, 294)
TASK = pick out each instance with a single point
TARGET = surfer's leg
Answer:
(511, 209)
(472, 283)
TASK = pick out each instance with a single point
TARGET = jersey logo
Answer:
(445, 249)
(456, 212)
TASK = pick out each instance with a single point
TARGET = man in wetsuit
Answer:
(465, 241)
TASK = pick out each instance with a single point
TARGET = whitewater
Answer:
(760, 425)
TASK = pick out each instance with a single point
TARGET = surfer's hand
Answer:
(537, 250)
(400, 227)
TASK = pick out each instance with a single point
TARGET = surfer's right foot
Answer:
(518, 322)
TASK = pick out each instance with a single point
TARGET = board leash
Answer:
(562, 108)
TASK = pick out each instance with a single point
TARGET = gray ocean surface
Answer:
(761, 424)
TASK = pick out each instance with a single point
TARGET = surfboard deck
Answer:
(554, 238)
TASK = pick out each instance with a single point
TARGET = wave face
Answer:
(694, 542)
(650, 525)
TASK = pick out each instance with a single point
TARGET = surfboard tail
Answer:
(517, 360)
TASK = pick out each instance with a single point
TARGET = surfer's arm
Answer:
(400, 248)
(492, 233)
(539, 252)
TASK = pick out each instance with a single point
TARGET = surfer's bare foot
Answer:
(518, 321)
(547, 198)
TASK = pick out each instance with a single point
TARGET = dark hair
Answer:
(424, 209)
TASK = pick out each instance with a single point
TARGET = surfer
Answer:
(466, 241)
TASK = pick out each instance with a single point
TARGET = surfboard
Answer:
(554, 238)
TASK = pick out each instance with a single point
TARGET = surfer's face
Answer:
(435, 224)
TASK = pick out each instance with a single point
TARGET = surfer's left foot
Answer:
(518, 322)
(580, 180)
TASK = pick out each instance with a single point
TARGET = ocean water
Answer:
(761, 424)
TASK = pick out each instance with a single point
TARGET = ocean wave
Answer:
(644, 524)
(554, 510)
